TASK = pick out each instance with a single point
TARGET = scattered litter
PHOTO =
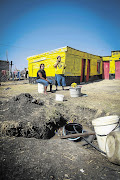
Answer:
(5, 109)
(85, 95)
(59, 131)
(41, 103)
(66, 175)
(51, 177)
(34, 101)
(37, 102)
(7, 88)
(71, 121)
(82, 170)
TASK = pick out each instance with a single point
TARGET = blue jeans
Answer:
(42, 81)
(60, 79)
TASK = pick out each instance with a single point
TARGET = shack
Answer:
(4, 70)
(111, 66)
(80, 66)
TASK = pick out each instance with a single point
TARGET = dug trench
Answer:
(28, 150)
(23, 116)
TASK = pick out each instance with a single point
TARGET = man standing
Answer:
(59, 73)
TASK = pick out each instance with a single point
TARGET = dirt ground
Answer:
(102, 95)
(28, 120)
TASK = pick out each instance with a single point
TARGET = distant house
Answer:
(4, 70)
(111, 66)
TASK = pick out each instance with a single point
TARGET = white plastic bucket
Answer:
(103, 126)
(59, 97)
(40, 88)
(75, 92)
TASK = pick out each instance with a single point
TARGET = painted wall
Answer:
(115, 56)
(74, 62)
(71, 57)
(48, 59)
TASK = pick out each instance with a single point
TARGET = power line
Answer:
(18, 47)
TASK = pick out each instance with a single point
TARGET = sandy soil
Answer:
(28, 121)
(101, 95)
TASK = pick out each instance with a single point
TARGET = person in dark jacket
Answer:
(41, 78)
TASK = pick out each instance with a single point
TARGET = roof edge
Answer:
(85, 52)
(47, 52)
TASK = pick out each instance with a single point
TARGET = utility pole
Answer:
(7, 55)
(11, 63)
(9, 74)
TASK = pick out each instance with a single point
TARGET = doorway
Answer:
(117, 69)
(82, 78)
(106, 70)
(88, 70)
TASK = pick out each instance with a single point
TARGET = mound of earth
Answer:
(25, 116)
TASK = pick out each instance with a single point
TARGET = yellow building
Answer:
(80, 66)
(111, 65)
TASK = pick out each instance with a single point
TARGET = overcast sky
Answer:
(29, 27)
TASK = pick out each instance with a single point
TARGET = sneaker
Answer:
(52, 91)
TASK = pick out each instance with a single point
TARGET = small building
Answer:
(80, 66)
(111, 66)
(4, 70)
